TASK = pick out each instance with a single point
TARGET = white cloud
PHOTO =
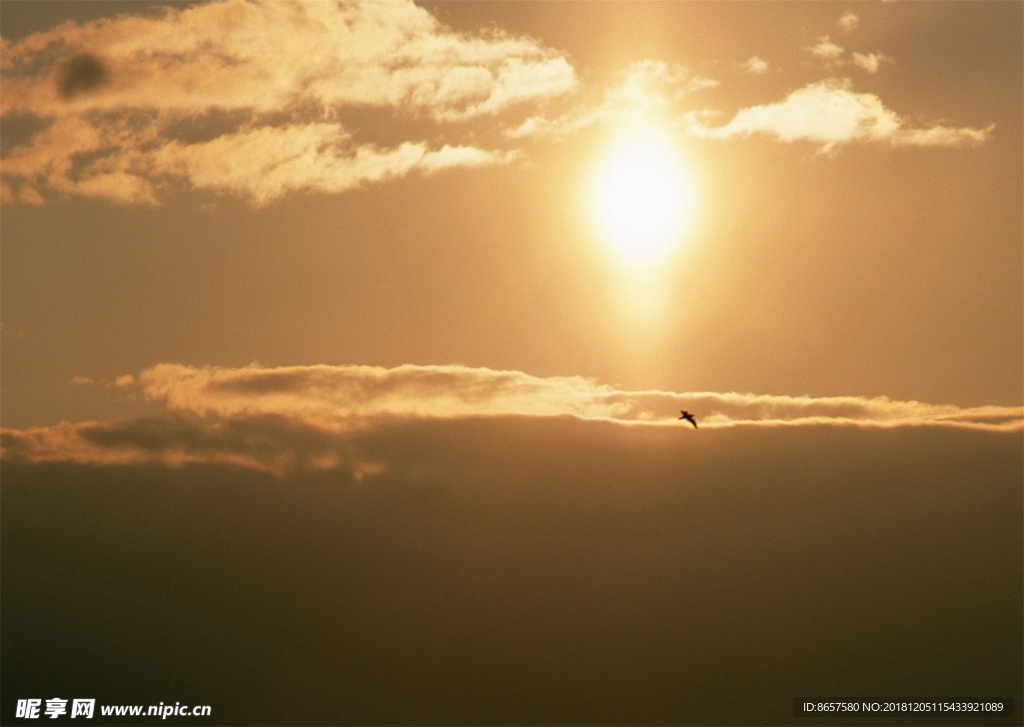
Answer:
(644, 87)
(848, 21)
(264, 56)
(123, 381)
(267, 163)
(830, 113)
(276, 419)
(654, 82)
(870, 62)
(343, 397)
(755, 65)
(116, 94)
(826, 49)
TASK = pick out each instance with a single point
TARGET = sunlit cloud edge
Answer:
(278, 419)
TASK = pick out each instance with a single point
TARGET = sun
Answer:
(642, 196)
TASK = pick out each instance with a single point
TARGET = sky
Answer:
(342, 346)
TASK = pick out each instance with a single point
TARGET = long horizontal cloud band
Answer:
(344, 396)
(276, 419)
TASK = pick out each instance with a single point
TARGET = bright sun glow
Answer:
(643, 197)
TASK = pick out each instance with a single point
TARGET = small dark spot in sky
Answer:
(80, 74)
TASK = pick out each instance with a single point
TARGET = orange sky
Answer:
(343, 346)
(185, 187)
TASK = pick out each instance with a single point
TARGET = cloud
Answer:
(826, 49)
(830, 113)
(870, 62)
(262, 444)
(267, 163)
(832, 53)
(644, 87)
(277, 419)
(256, 55)
(341, 398)
(499, 557)
(346, 397)
(80, 74)
(654, 82)
(755, 65)
(278, 80)
(123, 381)
(848, 21)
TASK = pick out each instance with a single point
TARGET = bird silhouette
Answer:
(688, 417)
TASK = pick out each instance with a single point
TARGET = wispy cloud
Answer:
(259, 99)
(869, 62)
(277, 79)
(826, 49)
(654, 82)
(122, 381)
(643, 87)
(831, 113)
(343, 397)
(848, 21)
(263, 444)
(313, 416)
(268, 162)
(833, 54)
(755, 65)
(347, 397)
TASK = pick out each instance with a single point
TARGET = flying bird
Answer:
(688, 417)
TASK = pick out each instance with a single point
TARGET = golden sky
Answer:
(386, 184)
(345, 341)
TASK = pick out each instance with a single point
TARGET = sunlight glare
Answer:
(643, 196)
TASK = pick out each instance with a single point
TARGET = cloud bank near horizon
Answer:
(278, 418)
(539, 552)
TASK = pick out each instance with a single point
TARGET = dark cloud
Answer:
(263, 442)
(80, 74)
(526, 571)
